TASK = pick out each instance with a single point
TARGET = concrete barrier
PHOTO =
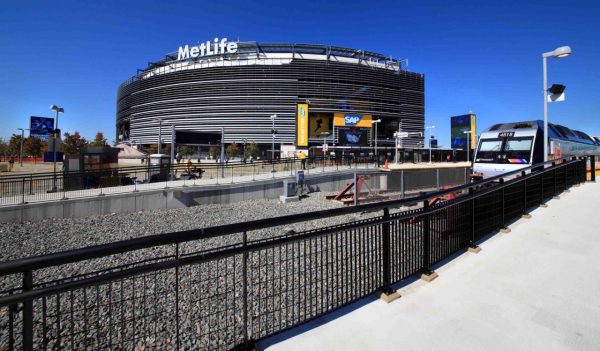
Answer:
(177, 197)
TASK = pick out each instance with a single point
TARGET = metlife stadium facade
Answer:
(315, 91)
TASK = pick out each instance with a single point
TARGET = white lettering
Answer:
(232, 48)
(183, 53)
(219, 47)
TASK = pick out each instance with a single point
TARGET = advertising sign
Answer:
(41, 127)
(460, 124)
(352, 120)
(318, 125)
(349, 136)
(302, 125)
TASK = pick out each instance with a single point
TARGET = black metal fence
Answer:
(225, 287)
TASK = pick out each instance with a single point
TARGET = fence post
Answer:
(27, 313)
(23, 190)
(503, 203)
(554, 166)
(31, 184)
(437, 179)
(472, 241)
(401, 184)
(245, 289)
(592, 168)
(542, 186)
(177, 294)
(387, 265)
(356, 194)
(426, 238)
(524, 192)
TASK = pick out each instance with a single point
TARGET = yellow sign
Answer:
(352, 120)
(318, 125)
(473, 131)
(302, 125)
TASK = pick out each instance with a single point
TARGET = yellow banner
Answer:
(352, 120)
(302, 125)
(319, 125)
(473, 132)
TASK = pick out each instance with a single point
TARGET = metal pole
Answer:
(159, 135)
(376, 138)
(54, 158)
(21, 155)
(545, 109)
(222, 161)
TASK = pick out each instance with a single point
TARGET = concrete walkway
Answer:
(536, 288)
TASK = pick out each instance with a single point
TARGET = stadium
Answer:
(242, 91)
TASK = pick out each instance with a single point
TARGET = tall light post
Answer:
(22, 137)
(273, 117)
(468, 132)
(57, 110)
(376, 122)
(430, 132)
(159, 135)
(560, 52)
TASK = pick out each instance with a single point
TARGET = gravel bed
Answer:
(285, 285)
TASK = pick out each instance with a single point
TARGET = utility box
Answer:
(158, 167)
(289, 188)
(300, 177)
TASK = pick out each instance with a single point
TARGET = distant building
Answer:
(316, 92)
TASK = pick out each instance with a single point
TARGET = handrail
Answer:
(98, 251)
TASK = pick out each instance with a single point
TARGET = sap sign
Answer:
(218, 47)
(351, 120)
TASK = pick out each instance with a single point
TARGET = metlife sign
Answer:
(207, 48)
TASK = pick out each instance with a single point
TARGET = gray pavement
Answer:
(536, 288)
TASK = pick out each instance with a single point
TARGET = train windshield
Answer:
(518, 150)
(505, 150)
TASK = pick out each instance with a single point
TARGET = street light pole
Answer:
(376, 122)
(159, 135)
(468, 132)
(560, 52)
(22, 137)
(273, 142)
(430, 132)
(57, 110)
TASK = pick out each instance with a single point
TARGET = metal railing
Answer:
(39, 187)
(228, 286)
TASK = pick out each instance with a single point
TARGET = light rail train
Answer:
(507, 147)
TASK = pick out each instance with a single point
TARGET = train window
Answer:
(518, 145)
(518, 150)
(490, 145)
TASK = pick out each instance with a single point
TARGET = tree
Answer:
(186, 150)
(252, 150)
(153, 149)
(214, 151)
(73, 143)
(3, 147)
(14, 144)
(33, 146)
(99, 140)
(232, 150)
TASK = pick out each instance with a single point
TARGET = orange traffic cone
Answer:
(385, 164)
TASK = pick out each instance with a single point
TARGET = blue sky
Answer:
(477, 56)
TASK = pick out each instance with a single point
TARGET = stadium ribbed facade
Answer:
(240, 91)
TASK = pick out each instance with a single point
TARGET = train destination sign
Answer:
(506, 134)
(207, 48)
